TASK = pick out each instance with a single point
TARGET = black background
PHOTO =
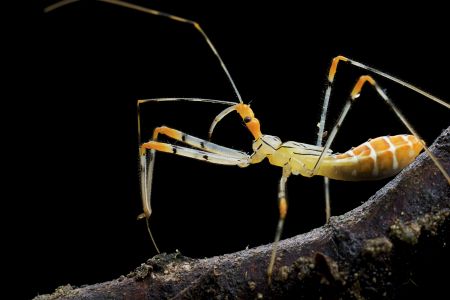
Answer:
(79, 71)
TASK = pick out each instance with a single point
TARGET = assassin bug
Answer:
(375, 159)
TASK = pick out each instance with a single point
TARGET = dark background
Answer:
(79, 71)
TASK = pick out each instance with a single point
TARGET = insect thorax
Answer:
(265, 146)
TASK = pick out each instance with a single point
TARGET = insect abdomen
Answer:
(375, 159)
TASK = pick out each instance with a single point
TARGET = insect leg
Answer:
(147, 165)
(385, 75)
(140, 102)
(146, 177)
(223, 156)
(283, 207)
(331, 75)
(194, 153)
(353, 96)
(326, 98)
(320, 133)
(147, 158)
(198, 143)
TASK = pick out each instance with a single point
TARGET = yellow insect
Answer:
(375, 159)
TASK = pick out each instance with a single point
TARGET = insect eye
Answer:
(247, 119)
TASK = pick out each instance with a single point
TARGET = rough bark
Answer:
(365, 253)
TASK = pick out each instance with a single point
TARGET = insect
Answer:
(375, 159)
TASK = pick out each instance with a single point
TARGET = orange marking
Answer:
(175, 134)
(360, 83)
(417, 145)
(379, 144)
(254, 128)
(333, 67)
(407, 152)
(244, 110)
(397, 140)
(361, 150)
(283, 208)
(253, 125)
(157, 146)
(412, 139)
(389, 159)
(142, 150)
(403, 155)
(385, 162)
(366, 165)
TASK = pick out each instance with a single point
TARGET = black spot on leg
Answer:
(205, 157)
(183, 137)
(174, 150)
(202, 144)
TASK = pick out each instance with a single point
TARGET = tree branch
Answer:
(364, 253)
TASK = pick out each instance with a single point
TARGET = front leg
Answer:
(205, 151)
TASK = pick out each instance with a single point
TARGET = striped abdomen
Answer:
(375, 159)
